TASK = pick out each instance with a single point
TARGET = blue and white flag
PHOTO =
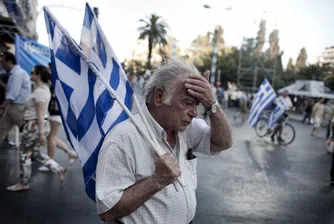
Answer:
(279, 110)
(87, 110)
(262, 100)
(96, 47)
(29, 53)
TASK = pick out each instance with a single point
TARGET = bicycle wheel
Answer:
(288, 134)
(261, 127)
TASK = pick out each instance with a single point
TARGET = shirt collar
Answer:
(14, 69)
(157, 130)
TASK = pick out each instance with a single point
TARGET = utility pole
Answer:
(214, 57)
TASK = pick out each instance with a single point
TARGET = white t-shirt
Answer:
(287, 102)
(40, 94)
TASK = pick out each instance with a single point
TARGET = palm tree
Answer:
(154, 29)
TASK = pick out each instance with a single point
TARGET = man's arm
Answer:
(166, 172)
(221, 135)
(13, 87)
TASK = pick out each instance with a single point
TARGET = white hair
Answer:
(164, 76)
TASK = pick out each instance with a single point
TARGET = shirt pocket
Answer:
(192, 164)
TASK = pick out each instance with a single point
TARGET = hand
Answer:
(42, 139)
(167, 169)
(200, 88)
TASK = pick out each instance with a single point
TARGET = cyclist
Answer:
(279, 127)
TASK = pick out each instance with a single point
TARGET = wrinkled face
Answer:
(182, 109)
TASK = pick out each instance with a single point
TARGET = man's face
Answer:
(182, 109)
(5, 64)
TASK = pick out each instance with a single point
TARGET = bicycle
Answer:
(262, 129)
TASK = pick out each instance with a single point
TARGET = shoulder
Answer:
(196, 124)
(121, 134)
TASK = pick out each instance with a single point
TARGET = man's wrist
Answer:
(212, 108)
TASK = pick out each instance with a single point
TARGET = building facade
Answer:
(328, 56)
(18, 17)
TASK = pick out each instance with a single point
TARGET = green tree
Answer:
(155, 30)
(301, 60)
(260, 39)
(312, 72)
(135, 66)
(274, 48)
(290, 67)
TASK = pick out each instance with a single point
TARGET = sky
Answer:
(301, 23)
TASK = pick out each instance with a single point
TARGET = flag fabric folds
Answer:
(96, 47)
(87, 109)
(262, 100)
(277, 112)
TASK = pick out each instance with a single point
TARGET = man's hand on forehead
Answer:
(200, 88)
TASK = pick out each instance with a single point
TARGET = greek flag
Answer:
(88, 111)
(96, 47)
(262, 100)
(277, 112)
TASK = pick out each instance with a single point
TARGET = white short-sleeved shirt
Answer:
(126, 158)
(40, 94)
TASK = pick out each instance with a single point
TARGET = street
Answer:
(253, 182)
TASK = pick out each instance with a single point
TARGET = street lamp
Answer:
(215, 48)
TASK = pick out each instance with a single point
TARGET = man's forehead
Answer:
(181, 90)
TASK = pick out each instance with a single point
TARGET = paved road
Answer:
(254, 182)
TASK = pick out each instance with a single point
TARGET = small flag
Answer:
(262, 100)
(279, 110)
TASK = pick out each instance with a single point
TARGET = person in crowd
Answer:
(133, 185)
(220, 95)
(317, 116)
(308, 111)
(4, 76)
(35, 129)
(328, 114)
(243, 105)
(332, 164)
(55, 124)
(279, 126)
(18, 89)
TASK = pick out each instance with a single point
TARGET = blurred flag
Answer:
(85, 107)
(278, 111)
(262, 100)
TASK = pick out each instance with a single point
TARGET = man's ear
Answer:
(158, 96)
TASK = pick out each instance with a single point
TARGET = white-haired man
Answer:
(133, 185)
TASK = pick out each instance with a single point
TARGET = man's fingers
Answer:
(155, 156)
(206, 75)
(195, 82)
(194, 94)
(194, 87)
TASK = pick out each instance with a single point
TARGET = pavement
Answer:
(255, 181)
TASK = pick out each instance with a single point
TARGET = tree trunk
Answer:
(150, 46)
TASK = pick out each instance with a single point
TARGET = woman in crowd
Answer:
(53, 140)
(35, 130)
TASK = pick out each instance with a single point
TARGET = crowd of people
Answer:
(29, 102)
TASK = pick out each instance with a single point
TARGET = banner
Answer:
(29, 53)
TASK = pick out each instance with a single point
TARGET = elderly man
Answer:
(133, 185)
(18, 90)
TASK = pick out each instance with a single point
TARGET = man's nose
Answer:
(193, 111)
